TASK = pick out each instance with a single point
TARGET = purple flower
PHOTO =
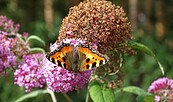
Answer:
(8, 25)
(61, 80)
(73, 41)
(25, 34)
(18, 42)
(163, 89)
(7, 59)
(30, 71)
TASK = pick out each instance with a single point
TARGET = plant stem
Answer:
(87, 95)
(67, 97)
(52, 95)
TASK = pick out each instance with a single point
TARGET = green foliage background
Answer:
(140, 70)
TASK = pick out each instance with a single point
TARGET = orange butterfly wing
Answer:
(59, 56)
(93, 59)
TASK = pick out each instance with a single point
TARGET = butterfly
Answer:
(77, 58)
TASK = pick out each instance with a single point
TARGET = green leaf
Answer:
(31, 95)
(145, 49)
(132, 89)
(145, 98)
(36, 50)
(149, 98)
(140, 98)
(96, 92)
(108, 95)
(33, 37)
(100, 93)
(141, 47)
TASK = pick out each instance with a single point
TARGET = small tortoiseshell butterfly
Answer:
(77, 58)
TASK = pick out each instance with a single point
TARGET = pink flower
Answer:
(163, 89)
(74, 42)
(30, 73)
(8, 25)
(7, 58)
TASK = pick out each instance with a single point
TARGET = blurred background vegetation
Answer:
(151, 22)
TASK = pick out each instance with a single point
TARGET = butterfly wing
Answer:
(60, 55)
(77, 59)
(92, 59)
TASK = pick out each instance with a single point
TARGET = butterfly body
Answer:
(77, 58)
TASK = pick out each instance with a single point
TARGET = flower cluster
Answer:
(30, 73)
(12, 44)
(8, 25)
(7, 58)
(72, 41)
(60, 79)
(163, 90)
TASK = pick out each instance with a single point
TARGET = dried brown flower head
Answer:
(99, 22)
